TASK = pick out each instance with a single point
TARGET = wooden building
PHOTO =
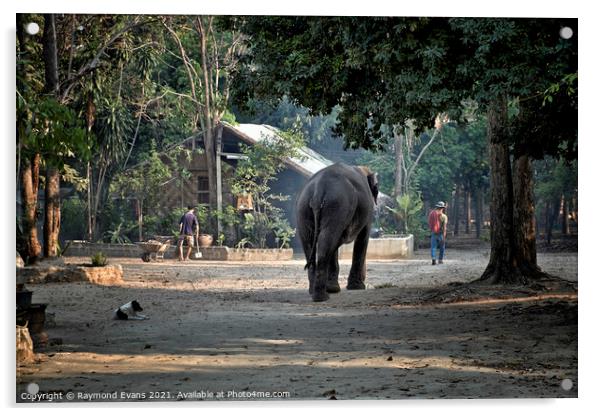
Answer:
(195, 189)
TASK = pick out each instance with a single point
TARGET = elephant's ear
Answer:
(373, 183)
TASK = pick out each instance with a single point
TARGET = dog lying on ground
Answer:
(129, 311)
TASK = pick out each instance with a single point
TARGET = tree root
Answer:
(526, 281)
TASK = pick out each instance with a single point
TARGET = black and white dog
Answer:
(129, 311)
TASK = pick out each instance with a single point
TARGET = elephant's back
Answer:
(337, 173)
(336, 184)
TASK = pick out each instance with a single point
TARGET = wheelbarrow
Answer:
(153, 250)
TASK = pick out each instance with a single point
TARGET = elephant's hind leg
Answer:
(327, 251)
(305, 229)
(357, 274)
(332, 284)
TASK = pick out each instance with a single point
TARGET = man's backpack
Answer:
(434, 221)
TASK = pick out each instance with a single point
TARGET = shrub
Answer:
(99, 260)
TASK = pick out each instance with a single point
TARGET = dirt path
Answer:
(244, 329)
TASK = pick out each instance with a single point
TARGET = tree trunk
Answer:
(89, 201)
(209, 112)
(140, 218)
(28, 167)
(552, 216)
(503, 262)
(98, 195)
(524, 217)
(467, 203)
(52, 213)
(575, 209)
(565, 216)
(479, 211)
(398, 162)
(456, 211)
(51, 72)
(29, 201)
(52, 205)
(546, 219)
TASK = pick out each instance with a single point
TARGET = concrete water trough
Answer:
(388, 247)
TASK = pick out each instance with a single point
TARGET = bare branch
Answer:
(187, 65)
(426, 146)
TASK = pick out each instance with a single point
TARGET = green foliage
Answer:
(263, 161)
(202, 214)
(383, 70)
(387, 285)
(99, 260)
(54, 131)
(230, 219)
(553, 179)
(115, 212)
(569, 81)
(243, 243)
(459, 157)
(118, 235)
(165, 223)
(113, 127)
(144, 182)
(229, 117)
(72, 176)
(382, 162)
(253, 176)
(283, 232)
(256, 227)
(379, 70)
(73, 219)
(406, 210)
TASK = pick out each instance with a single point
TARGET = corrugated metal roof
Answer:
(309, 161)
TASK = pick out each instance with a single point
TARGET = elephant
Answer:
(335, 207)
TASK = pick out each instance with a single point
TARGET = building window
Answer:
(203, 189)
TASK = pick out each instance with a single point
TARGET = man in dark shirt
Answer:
(189, 228)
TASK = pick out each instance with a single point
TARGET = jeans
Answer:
(437, 240)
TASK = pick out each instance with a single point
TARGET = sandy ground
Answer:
(240, 331)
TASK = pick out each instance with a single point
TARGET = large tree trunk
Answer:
(28, 167)
(524, 217)
(209, 115)
(503, 262)
(52, 217)
(209, 141)
(52, 205)
(29, 201)
(51, 74)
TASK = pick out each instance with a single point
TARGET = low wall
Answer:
(245, 254)
(222, 253)
(84, 249)
(383, 248)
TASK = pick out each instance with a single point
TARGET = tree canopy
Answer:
(383, 70)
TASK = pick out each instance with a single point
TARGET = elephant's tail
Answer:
(314, 244)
